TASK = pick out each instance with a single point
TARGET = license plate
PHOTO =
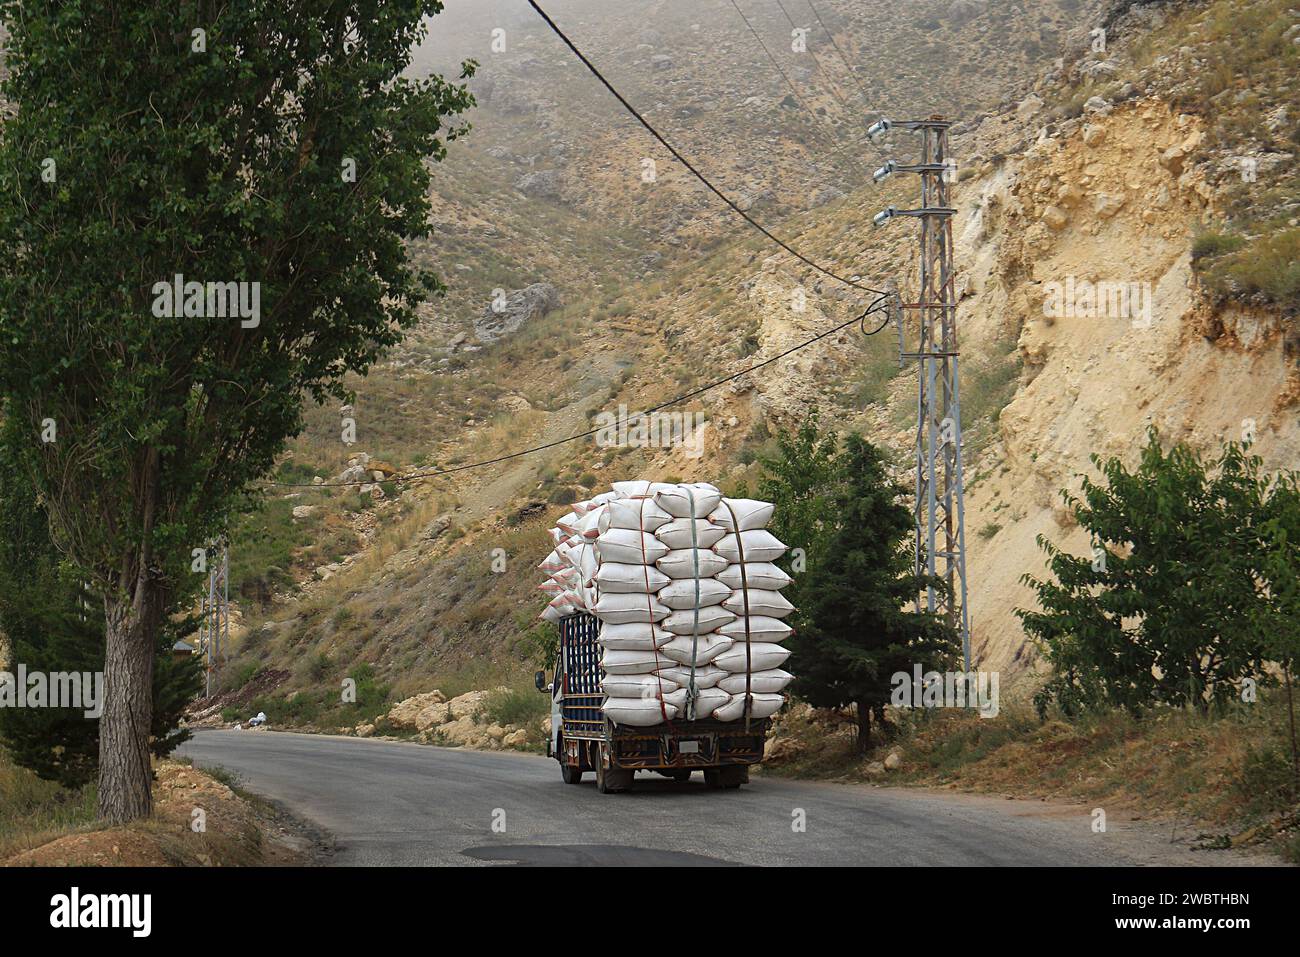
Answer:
(688, 747)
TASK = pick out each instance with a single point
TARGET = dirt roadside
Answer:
(198, 821)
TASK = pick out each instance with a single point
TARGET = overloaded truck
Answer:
(668, 606)
(584, 739)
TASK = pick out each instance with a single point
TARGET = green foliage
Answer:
(837, 502)
(1207, 245)
(54, 623)
(564, 495)
(1169, 608)
(245, 673)
(372, 695)
(540, 644)
(226, 163)
(800, 478)
(262, 545)
(517, 706)
(31, 808)
(1267, 267)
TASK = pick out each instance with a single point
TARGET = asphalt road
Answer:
(397, 803)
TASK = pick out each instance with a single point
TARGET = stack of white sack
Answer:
(688, 629)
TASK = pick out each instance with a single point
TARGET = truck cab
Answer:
(583, 739)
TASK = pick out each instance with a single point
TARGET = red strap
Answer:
(744, 597)
(649, 605)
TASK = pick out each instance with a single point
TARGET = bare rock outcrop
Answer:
(506, 315)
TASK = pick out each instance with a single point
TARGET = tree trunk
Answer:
(1295, 750)
(125, 774)
(864, 727)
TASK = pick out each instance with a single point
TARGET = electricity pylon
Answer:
(214, 618)
(940, 498)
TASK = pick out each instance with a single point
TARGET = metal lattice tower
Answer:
(940, 507)
(214, 618)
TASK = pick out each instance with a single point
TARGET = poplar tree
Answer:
(275, 149)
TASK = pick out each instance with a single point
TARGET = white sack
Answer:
(763, 656)
(630, 547)
(770, 603)
(707, 702)
(637, 713)
(677, 533)
(630, 662)
(705, 677)
(761, 628)
(772, 681)
(706, 648)
(760, 546)
(584, 557)
(589, 524)
(692, 500)
(681, 593)
(636, 686)
(690, 562)
(690, 623)
(615, 578)
(750, 513)
(635, 514)
(676, 698)
(761, 706)
(638, 489)
(624, 609)
(634, 636)
(759, 575)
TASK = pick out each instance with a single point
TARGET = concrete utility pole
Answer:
(940, 506)
(214, 619)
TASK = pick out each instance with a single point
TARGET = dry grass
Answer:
(33, 811)
(1229, 773)
(44, 825)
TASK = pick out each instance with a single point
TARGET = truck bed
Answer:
(671, 745)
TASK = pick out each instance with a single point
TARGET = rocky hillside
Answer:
(1129, 162)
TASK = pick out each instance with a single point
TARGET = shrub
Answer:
(517, 707)
(564, 495)
(1167, 608)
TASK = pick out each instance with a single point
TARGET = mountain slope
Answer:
(1108, 171)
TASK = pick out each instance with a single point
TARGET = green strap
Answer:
(744, 594)
(692, 693)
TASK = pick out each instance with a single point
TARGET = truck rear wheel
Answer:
(612, 780)
(732, 776)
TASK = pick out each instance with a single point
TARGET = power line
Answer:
(843, 59)
(836, 147)
(876, 306)
(830, 84)
(691, 166)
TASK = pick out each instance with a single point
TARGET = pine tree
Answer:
(857, 631)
